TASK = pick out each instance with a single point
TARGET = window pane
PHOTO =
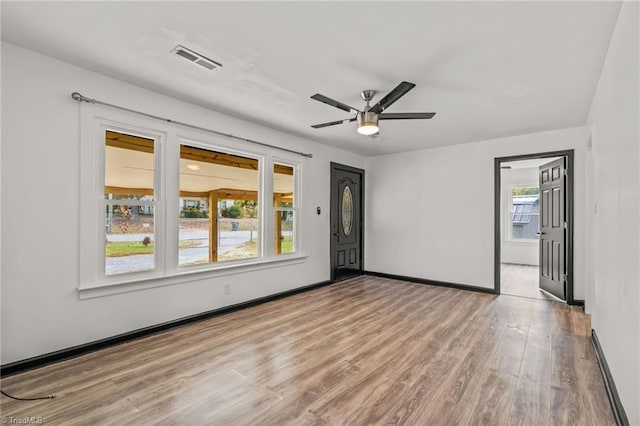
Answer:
(347, 210)
(283, 203)
(284, 232)
(525, 213)
(283, 186)
(129, 239)
(129, 189)
(218, 206)
(129, 166)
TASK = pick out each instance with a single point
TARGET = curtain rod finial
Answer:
(78, 97)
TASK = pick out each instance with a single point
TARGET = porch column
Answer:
(277, 229)
(213, 226)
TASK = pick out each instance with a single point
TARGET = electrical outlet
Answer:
(227, 289)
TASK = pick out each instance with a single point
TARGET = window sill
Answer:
(522, 241)
(189, 274)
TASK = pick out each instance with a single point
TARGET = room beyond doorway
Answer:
(533, 226)
(522, 280)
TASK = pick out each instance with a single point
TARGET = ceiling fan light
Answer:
(368, 123)
(368, 129)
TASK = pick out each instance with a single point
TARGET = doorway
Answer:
(346, 221)
(534, 226)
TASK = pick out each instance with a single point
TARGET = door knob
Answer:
(540, 233)
(336, 234)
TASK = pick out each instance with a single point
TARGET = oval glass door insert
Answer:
(347, 210)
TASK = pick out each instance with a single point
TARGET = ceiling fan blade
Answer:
(400, 90)
(334, 103)
(406, 116)
(332, 123)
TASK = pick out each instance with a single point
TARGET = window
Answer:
(129, 203)
(525, 213)
(347, 210)
(219, 218)
(160, 204)
(284, 207)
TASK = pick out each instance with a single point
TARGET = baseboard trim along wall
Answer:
(431, 282)
(75, 351)
(616, 404)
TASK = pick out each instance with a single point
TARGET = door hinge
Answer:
(565, 277)
(566, 226)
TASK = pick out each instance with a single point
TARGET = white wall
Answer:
(524, 252)
(615, 251)
(430, 213)
(41, 311)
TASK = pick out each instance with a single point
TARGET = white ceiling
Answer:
(488, 69)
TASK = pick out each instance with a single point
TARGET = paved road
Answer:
(144, 262)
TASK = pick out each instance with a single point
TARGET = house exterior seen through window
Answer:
(219, 215)
(129, 204)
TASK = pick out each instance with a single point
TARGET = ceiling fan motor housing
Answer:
(367, 119)
(368, 123)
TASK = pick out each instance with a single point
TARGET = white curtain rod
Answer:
(78, 97)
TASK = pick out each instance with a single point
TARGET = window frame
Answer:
(262, 159)
(93, 281)
(296, 200)
(92, 198)
(156, 203)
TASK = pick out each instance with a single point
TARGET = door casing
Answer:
(569, 154)
(333, 220)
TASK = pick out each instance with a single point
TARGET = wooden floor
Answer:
(364, 351)
(521, 280)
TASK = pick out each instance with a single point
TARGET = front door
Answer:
(553, 228)
(347, 194)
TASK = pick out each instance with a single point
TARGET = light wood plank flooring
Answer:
(363, 351)
(521, 280)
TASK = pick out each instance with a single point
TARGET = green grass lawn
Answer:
(243, 251)
(130, 248)
(287, 245)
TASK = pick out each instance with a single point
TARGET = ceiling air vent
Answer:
(196, 58)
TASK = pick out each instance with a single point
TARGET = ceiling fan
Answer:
(369, 116)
